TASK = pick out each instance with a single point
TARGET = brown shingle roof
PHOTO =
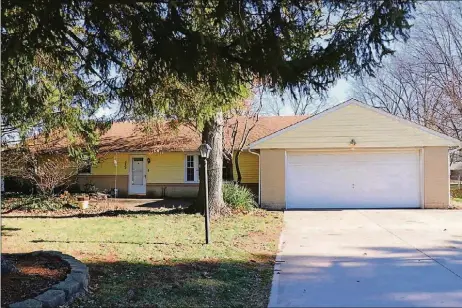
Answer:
(133, 137)
(265, 126)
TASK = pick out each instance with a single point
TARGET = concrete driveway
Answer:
(369, 258)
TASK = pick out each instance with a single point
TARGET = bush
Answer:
(456, 193)
(90, 188)
(238, 197)
(44, 203)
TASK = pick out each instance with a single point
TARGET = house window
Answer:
(227, 169)
(192, 168)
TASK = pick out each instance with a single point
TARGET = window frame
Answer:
(195, 167)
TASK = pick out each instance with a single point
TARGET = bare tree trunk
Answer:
(213, 136)
(238, 169)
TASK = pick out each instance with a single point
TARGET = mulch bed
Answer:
(36, 274)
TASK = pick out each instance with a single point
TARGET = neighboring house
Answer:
(455, 160)
(354, 156)
(164, 162)
(456, 171)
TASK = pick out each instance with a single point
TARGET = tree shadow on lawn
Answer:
(396, 277)
(183, 283)
(118, 242)
(108, 213)
(169, 203)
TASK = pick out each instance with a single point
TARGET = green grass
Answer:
(159, 259)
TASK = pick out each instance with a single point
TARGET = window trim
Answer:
(196, 168)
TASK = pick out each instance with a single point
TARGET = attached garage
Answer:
(353, 179)
(354, 156)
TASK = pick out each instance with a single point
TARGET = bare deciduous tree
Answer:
(423, 82)
(272, 104)
(239, 124)
(298, 103)
(45, 172)
(304, 103)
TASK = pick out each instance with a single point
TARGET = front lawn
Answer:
(158, 259)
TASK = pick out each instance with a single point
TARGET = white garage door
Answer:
(353, 180)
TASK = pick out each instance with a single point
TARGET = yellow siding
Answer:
(106, 166)
(248, 164)
(367, 127)
(166, 167)
(105, 182)
(169, 167)
(163, 168)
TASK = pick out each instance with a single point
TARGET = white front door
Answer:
(137, 175)
(353, 179)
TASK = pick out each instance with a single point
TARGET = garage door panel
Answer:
(353, 180)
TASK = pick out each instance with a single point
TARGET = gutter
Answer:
(259, 175)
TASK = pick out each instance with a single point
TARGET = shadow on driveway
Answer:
(398, 278)
(378, 258)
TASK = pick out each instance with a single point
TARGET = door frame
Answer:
(419, 150)
(130, 192)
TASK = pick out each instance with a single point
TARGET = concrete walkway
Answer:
(369, 258)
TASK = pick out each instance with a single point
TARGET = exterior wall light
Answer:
(352, 144)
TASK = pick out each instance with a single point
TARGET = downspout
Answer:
(259, 175)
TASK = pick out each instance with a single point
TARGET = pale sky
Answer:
(340, 92)
(336, 95)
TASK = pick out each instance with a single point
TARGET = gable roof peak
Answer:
(451, 141)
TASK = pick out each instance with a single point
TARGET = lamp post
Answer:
(205, 149)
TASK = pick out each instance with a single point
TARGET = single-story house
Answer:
(354, 156)
(161, 161)
(349, 156)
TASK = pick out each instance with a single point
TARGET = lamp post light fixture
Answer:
(205, 150)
